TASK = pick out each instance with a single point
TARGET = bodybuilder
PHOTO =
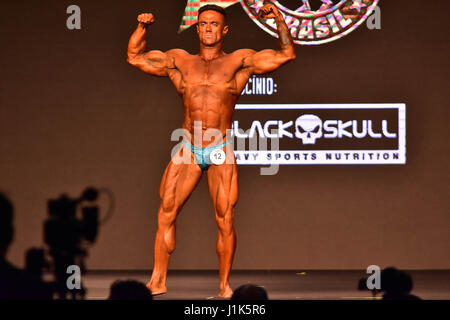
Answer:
(209, 84)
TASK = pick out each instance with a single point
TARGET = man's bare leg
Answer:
(223, 189)
(177, 184)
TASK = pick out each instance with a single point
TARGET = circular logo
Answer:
(312, 26)
(217, 157)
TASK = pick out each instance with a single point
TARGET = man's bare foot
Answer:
(226, 293)
(156, 291)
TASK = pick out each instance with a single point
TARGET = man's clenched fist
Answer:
(268, 11)
(146, 18)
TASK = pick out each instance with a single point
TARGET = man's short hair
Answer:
(212, 7)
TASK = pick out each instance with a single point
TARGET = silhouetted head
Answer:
(6, 225)
(396, 282)
(129, 290)
(250, 292)
(212, 25)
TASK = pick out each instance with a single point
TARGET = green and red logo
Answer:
(330, 21)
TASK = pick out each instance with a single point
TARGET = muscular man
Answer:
(209, 84)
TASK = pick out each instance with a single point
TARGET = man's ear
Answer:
(196, 26)
(225, 30)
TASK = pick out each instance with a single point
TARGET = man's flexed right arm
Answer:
(153, 62)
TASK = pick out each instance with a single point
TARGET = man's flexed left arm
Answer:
(269, 60)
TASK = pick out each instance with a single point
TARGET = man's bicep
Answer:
(265, 61)
(153, 62)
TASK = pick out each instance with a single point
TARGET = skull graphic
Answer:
(308, 127)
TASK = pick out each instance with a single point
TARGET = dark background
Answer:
(73, 113)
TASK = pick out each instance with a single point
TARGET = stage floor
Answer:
(280, 285)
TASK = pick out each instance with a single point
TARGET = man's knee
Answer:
(225, 225)
(225, 205)
(168, 203)
(225, 216)
(167, 211)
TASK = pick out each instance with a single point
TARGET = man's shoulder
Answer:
(243, 52)
(178, 53)
(240, 56)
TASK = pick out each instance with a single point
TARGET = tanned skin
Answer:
(209, 84)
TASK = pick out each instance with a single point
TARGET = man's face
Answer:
(211, 27)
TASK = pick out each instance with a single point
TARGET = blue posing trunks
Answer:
(202, 154)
